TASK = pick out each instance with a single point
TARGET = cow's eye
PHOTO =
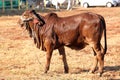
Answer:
(24, 17)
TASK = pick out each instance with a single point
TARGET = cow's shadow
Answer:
(106, 69)
(112, 68)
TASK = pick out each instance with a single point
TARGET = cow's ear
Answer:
(32, 11)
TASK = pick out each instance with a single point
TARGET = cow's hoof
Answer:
(91, 71)
(100, 74)
(66, 72)
(45, 72)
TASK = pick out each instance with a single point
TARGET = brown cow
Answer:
(75, 31)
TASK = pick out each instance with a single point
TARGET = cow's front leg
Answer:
(48, 58)
(63, 55)
(49, 48)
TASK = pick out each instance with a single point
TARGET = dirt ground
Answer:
(21, 60)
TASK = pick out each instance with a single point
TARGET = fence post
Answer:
(26, 4)
(44, 3)
(3, 6)
(11, 4)
(18, 4)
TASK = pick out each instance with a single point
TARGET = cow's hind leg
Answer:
(63, 55)
(99, 58)
(95, 62)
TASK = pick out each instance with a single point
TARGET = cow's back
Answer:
(79, 29)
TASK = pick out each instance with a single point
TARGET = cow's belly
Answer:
(77, 46)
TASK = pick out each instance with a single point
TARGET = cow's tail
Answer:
(105, 36)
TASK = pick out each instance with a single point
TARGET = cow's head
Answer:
(31, 17)
(30, 21)
(26, 20)
(25, 17)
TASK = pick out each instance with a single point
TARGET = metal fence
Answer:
(11, 4)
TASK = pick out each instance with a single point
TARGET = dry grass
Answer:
(19, 56)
